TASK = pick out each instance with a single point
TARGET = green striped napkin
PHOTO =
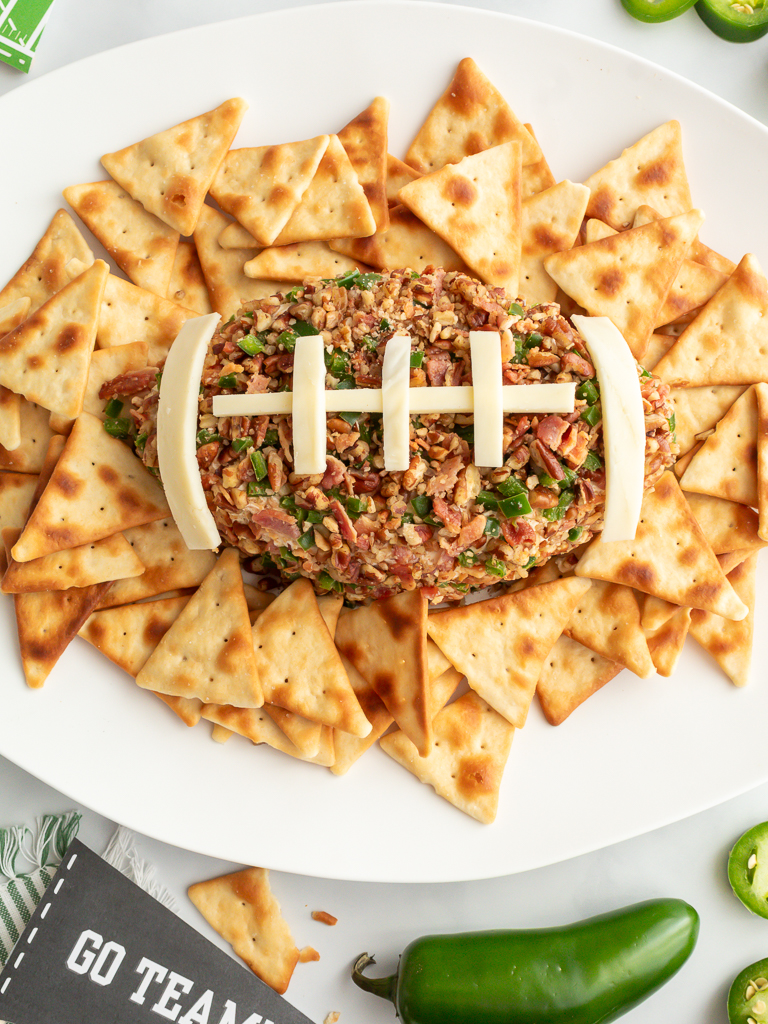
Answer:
(42, 848)
(21, 25)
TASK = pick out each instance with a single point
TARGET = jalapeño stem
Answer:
(384, 987)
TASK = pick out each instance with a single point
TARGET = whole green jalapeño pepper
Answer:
(748, 869)
(657, 10)
(586, 973)
(748, 996)
(734, 20)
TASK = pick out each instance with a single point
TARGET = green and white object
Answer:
(21, 25)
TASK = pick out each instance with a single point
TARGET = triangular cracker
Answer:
(364, 140)
(139, 243)
(695, 283)
(169, 563)
(467, 758)
(386, 641)
(333, 206)
(11, 316)
(227, 285)
(298, 664)
(234, 236)
(551, 221)
(627, 276)
(670, 557)
(650, 172)
(730, 643)
(46, 272)
(698, 410)
(658, 345)
(128, 635)
(10, 419)
(299, 261)
(537, 176)
(727, 343)
(48, 621)
(103, 560)
(208, 652)
(571, 673)
(98, 488)
(666, 641)
(607, 620)
(475, 206)
(595, 229)
(252, 723)
(106, 364)
(407, 242)
(35, 434)
(500, 643)
(398, 174)
(305, 734)
(16, 491)
(262, 186)
(130, 313)
(727, 525)
(46, 358)
(469, 117)
(171, 172)
(242, 909)
(761, 393)
(726, 464)
(187, 286)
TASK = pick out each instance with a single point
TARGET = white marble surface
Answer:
(686, 859)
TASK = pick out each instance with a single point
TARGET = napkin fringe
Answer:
(121, 853)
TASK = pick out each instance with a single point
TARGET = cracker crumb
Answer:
(308, 954)
(324, 917)
(332, 1017)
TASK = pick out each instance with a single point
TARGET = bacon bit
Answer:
(437, 365)
(348, 531)
(364, 483)
(277, 522)
(324, 917)
(470, 534)
(518, 531)
(578, 452)
(343, 441)
(548, 460)
(405, 574)
(275, 471)
(574, 362)
(447, 477)
(207, 453)
(551, 430)
(257, 385)
(447, 514)
(538, 357)
(340, 560)
(334, 473)
(129, 383)
(262, 425)
(586, 490)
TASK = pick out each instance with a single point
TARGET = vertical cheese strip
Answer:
(177, 433)
(485, 349)
(623, 424)
(308, 410)
(395, 385)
